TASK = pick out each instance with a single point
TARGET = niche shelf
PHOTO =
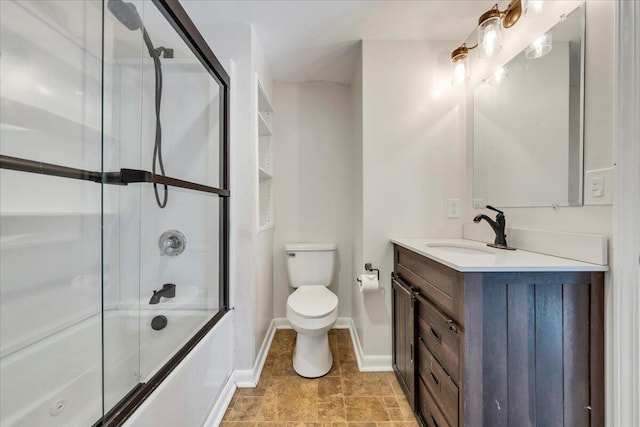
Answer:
(264, 118)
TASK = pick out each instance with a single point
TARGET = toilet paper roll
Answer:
(368, 282)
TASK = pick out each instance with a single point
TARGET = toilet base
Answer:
(312, 356)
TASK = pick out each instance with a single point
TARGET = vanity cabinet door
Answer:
(403, 337)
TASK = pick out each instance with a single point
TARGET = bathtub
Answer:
(57, 381)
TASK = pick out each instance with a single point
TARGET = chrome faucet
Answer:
(168, 291)
(172, 243)
(498, 227)
(168, 244)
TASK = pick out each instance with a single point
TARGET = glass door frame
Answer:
(175, 14)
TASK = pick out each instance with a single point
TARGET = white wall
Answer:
(411, 158)
(312, 149)
(250, 275)
(357, 261)
(264, 240)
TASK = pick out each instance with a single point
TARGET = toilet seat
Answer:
(312, 302)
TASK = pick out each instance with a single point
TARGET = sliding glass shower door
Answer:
(113, 204)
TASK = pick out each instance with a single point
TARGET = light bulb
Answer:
(489, 37)
(540, 46)
(498, 76)
(532, 7)
(460, 72)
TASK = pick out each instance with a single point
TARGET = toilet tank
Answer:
(310, 264)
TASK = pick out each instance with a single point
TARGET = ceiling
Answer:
(308, 40)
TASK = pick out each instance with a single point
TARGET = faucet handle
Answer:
(494, 209)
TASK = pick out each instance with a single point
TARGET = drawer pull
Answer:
(451, 325)
(435, 378)
(411, 352)
(433, 420)
(436, 335)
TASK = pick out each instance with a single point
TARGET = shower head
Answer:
(126, 13)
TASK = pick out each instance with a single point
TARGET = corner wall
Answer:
(312, 147)
(411, 162)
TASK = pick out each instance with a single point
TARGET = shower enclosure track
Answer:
(124, 177)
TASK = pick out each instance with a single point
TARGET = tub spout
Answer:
(168, 291)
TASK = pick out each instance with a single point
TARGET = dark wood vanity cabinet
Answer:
(403, 337)
(498, 349)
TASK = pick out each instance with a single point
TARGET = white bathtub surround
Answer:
(72, 358)
(203, 378)
(592, 248)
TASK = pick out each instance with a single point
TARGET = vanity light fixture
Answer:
(460, 63)
(489, 32)
(540, 46)
(490, 28)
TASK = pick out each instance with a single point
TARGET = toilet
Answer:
(312, 309)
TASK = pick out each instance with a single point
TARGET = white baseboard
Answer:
(367, 363)
(341, 323)
(222, 403)
(247, 378)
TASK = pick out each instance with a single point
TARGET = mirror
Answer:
(528, 124)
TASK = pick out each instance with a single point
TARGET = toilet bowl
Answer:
(312, 309)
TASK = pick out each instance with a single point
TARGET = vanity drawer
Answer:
(428, 410)
(438, 282)
(442, 388)
(441, 336)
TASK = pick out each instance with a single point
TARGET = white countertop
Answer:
(463, 256)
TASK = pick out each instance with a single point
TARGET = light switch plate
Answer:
(453, 208)
(598, 187)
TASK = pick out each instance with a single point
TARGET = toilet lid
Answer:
(312, 301)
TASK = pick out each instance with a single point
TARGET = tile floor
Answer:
(345, 397)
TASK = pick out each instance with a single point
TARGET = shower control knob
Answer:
(172, 243)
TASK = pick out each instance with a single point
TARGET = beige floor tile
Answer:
(345, 397)
(329, 387)
(237, 424)
(346, 354)
(245, 409)
(306, 424)
(290, 399)
(391, 402)
(399, 424)
(331, 409)
(366, 384)
(365, 409)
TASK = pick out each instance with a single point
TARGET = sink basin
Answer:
(459, 248)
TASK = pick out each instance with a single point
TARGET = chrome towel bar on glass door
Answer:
(123, 177)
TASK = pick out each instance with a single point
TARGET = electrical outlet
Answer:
(453, 208)
(478, 203)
